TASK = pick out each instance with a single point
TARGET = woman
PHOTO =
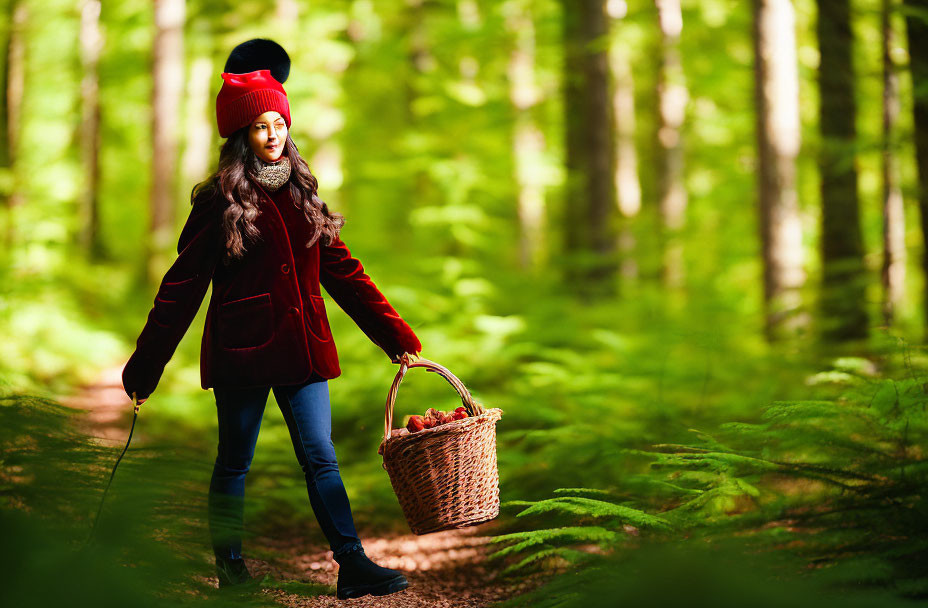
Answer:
(260, 234)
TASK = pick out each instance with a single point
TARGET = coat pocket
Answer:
(317, 320)
(163, 312)
(246, 323)
(168, 302)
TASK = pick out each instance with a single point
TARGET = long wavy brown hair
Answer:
(238, 165)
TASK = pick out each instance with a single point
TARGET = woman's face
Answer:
(267, 135)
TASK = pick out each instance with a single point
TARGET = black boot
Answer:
(358, 575)
(232, 572)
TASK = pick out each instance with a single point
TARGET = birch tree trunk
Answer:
(672, 97)
(776, 93)
(528, 140)
(91, 43)
(627, 183)
(201, 118)
(893, 270)
(916, 22)
(14, 81)
(168, 75)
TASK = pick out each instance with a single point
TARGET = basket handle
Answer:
(473, 408)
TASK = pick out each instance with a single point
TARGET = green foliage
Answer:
(656, 414)
(573, 534)
(147, 549)
(589, 508)
(720, 574)
(840, 481)
(614, 523)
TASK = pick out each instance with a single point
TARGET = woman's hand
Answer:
(408, 358)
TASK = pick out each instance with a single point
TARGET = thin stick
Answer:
(100, 508)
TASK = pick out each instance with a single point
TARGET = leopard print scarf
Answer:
(273, 175)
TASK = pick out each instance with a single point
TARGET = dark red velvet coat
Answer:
(259, 329)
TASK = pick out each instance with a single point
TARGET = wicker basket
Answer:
(445, 477)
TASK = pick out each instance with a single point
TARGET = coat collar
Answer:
(266, 203)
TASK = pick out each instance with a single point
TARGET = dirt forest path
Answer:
(444, 569)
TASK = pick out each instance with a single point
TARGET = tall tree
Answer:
(168, 76)
(11, 106)
(590, 241)
(893, 270)
(528, 140)
(672, 97)
(776, 94)
(91, 43)
(843, 302)
(627, 183)
(198, 140)
(917, 29)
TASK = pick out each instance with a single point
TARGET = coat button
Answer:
(284, 268)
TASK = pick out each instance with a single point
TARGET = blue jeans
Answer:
(307, 412)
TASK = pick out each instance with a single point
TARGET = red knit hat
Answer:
(246, 96)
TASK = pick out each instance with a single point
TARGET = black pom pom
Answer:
(259, 54)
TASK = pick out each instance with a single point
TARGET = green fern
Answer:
(589, 508)
(842, 477)
(563, 536)
(552, 556)
(586, 492)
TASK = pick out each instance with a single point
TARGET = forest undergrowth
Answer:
(818, 502)
(660, 455)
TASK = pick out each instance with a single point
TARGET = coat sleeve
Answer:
(178, 299)
(344, 279)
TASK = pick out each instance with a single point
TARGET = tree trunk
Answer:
(917, 28)
(91, 42)
(627, 184)
(201, 120)
(843, 302)
(528, 140)
(168, 73)
(14, 79)
(776, 93)
(672, 99)
(893, 270)
(590, 154)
